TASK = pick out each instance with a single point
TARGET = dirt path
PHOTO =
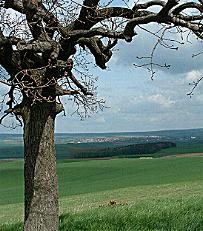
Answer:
(184, 155)
(191, 154)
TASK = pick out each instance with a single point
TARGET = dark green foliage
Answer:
(129, 150)
(11, 151)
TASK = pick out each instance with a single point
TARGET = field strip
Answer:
(131, 195)
(12, 213)
(198, 154)
(191, 154)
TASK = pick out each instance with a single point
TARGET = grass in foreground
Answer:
(156, 215)
(157, 188)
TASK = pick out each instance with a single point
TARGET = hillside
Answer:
(133, 150)
(70, 144)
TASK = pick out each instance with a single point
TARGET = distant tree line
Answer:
(133, 150)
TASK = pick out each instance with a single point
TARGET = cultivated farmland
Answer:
(152, 192)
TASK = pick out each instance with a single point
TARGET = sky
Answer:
(134, 102)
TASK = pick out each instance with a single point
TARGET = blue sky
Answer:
(134, 101)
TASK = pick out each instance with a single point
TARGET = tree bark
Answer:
(41, 186)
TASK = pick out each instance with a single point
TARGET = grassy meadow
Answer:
(181, 148)
(150, 194)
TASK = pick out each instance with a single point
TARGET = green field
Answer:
(181, 148)
(162, 189)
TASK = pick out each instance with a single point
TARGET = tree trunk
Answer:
(41, 186)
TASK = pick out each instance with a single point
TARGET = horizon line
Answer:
(161, 130)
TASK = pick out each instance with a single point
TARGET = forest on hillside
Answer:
(133, 150)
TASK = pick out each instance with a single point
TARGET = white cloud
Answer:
(193, 76)
(162, 100)
(155, 98)
(100, 120)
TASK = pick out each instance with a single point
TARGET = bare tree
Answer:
(38, 39)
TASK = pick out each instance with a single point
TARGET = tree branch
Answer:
(79, 85)
(98, 16)
(16, 5)
(196, 28)
(35, 46)
(101, 54)
(129, 28)
(95, 31)
(148, 4)
(60, 91)
(166, 9)
(177, 10)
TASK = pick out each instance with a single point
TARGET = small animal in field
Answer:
(112, 203)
